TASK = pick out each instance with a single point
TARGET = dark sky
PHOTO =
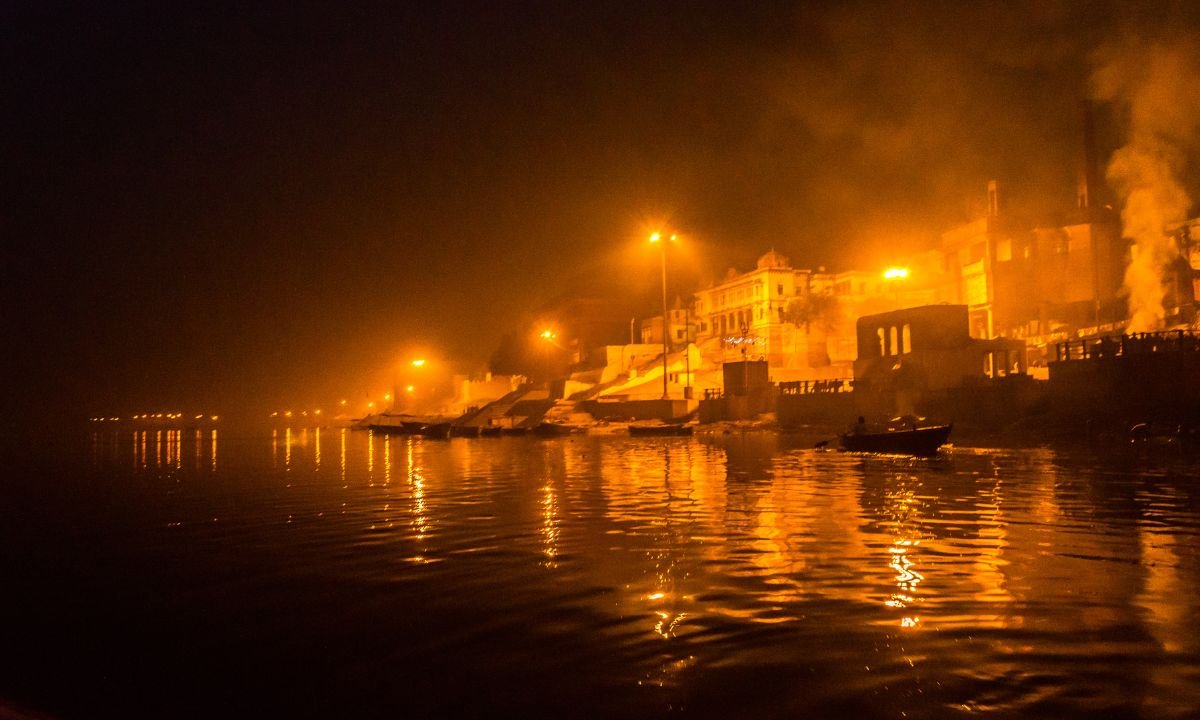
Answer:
(263, 204)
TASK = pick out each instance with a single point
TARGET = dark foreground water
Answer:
(343, 575)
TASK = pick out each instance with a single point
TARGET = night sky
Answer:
(237, 208)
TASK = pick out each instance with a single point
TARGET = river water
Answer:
(340, 574)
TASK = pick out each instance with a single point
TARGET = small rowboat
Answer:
(923, 441)
(669, 429)
(549, 429)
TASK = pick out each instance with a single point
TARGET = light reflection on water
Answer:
(742, 574)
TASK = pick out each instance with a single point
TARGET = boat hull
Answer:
(921, 441)
(660, 430)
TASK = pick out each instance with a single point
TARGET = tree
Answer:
(817, 311)
(511, 357)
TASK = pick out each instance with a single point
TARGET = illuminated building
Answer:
(679, 330)
(746, 315)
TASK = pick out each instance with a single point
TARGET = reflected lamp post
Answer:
(657, 238)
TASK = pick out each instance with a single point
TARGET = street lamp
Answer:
(549, 336)
(662, 246)
(892, 275)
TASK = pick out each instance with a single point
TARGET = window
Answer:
(906, 339)
(894, 346)
(1004, 250)
(678, 334)
(882, 342)
(779, 289)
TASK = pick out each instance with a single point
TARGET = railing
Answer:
(798, 387)
(816, 387)
(1173, 341)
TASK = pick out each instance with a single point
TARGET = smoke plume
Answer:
(1157, 87)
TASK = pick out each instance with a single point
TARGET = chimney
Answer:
(1088, 186)
(993, 199)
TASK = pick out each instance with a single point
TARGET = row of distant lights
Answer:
(152, 416)
(289, 413)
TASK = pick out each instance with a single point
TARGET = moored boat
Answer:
(436, 431)
(923, 441)
(665, 429)
(550, 429)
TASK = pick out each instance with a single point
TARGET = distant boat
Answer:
(667, 429)
(549, 429)
(514, 431)
(436, 431)
(923, 441)
(470, 431)
(491, 431)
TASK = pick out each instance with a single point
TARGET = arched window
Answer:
(906, 339)
(895, 344)
(882, 342)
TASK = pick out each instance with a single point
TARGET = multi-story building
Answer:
(745, 315)
(681, 328)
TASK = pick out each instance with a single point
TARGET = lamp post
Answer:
(549, 336)
(662, 246)
(894, 275)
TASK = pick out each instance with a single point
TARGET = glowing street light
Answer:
(409, 389)
(657, 238)
(418, 362)
(892, 275)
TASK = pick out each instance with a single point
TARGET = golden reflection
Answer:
(178, 449)
(287, 449)
(274, 448)
(214, 450)
(342, 476)
(1164, 594)
(906, 577)
(317, 447)
(387, 460)
(158, 448)
(371, 458)
(902, 506)
(990, 562)
(199, 447)
(550, 529)
(143, 461)
(420, 522)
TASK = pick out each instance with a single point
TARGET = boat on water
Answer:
(663, 430)
(436, 431)
(921, 441)
(490, 431)
(551, 429)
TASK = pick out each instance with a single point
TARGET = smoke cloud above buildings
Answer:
(1156, 85)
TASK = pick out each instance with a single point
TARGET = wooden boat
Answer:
(436, 431)
(490, 431)
(666, 429)
(549, 429)
(470, 431)
(514, 431)
(923, 441)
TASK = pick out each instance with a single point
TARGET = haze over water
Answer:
(339, 573)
